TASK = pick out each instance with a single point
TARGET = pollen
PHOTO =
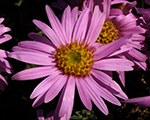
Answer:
(109, 33)
(74, 59)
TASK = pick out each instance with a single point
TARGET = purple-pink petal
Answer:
(139, 101)
(114, 64)
(68, 96)
(33, 73)
(83, 93)
(55, 88)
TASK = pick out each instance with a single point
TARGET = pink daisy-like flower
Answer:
(4, 64)
(119, 24)
(71, 59)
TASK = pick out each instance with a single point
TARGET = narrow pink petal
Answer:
(1, 20)
(5, 66)
(56, 25)
(137, 55)
(106, 7)
(45, 84)
(5, 38)
(139, 101)
(2, 80)
(125, 20)
(39, 100)
(81, 26)
(55, 89)
(33, 73)
(103, 92)
(74, 15)
(95, 26)
(111, 47)
(83, 93)
(48, 31)
(121, 94)
(3, 53)
(124, 48)
(37, 37)
(142, 65)
(67, 23)
(68, 96)
(32, 58)
(104, 80)
(36, 45)
(95, 97)
(4, 29)
(121, 75)
(114, 64)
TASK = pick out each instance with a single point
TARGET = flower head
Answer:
(4, 64)
(72, 59)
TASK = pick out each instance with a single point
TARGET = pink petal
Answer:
(122, 77)
(32, 58)
(3, 53)
(1, 20)
(81, 26)
(103, 92)
(36, 45)
(45, 84)
(40, 114)
(67, 23)
(56, 25)
(95, 26)
(68, 96)
(39, 100)
(48, 31)
(111, 47)
(104, 80)
(95, 97)
(106, 7)
(139, 101)
(83, 93)
(113, 64)
(39, 38)
(55, 89)
(33, 73)
(4, 29)
(5, 38)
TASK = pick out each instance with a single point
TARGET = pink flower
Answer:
(139, 101)
(119, 23)
(71, 59)
(4, 64)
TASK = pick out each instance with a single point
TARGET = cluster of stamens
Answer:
(74, 59)
(109, 33)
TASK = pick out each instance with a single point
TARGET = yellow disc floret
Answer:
(109, 33)
(74, 59)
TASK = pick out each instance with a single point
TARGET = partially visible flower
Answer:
(71, 59)
(139, 101)
(49, 116)
(119, 24)
(146, 16)
(4, 64)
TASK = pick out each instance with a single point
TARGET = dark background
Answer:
(15, 103)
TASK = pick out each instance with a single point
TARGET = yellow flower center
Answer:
(109, 33)
(74, 59)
